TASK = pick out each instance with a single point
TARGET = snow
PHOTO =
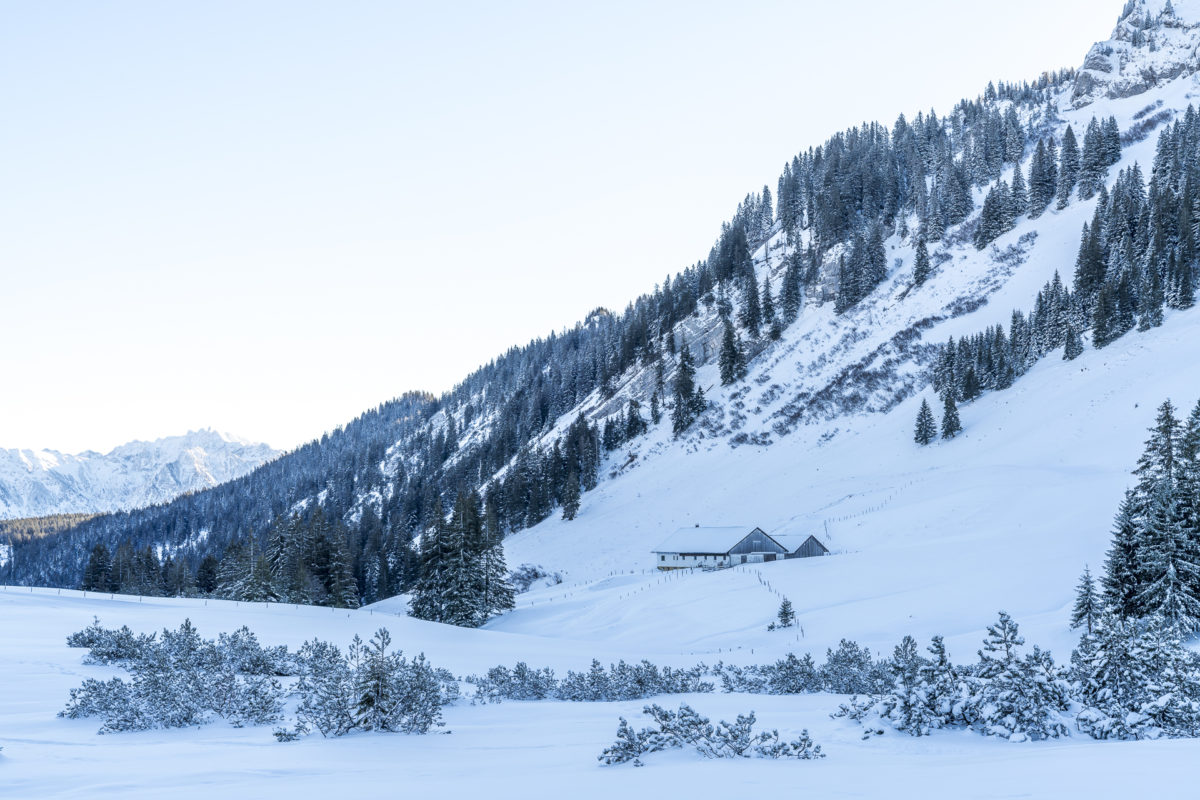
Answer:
(41, 482)
(704, 539)
(510, 750)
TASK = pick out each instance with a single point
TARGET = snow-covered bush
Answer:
(850, 670)
(630, 682)
(1006, 694)
(1136, 680)
(368, 689)
(110, 645)
(519, 683)
(179, 680)
(686, 728)
(242, 650)
(789, 675)
(620, 681)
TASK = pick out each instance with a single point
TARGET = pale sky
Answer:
(267, 217)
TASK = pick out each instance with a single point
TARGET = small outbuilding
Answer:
(717, 547)
(800, 546)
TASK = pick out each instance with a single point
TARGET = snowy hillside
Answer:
(816, 436)
(42, 482)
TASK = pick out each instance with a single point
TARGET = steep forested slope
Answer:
(822, 306)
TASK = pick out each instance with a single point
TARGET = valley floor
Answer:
(513, 749)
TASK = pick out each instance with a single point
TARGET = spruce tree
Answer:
(786, 615)
(1087, 603)
(689, 399)
(1019, 197)
(789, 293)
(571, 495)
(96, 575)
(1159, 460)
(1068, 170)
(951, 426)
(731, 361)
(206, 574)
(926, 430)
(1093, 163)
(497, 594)
(1121, 583)
(1073, 345)
(768, 303)
(1170, 574)
(921, 267)
(343, 589)
(1041, 181)
(752, 316)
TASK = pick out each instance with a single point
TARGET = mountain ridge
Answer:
(134, 474)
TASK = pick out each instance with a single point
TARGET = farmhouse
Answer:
(726, 546)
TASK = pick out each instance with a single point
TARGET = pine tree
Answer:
(571, 494)
(921, 267)
(1156, 467)
(951, 426)
(926, 430)
(206, 574)
(97, 573)
(1068, 170)
(1041, 181)
(789, 293)
(689, 399)
(996, 217)
(786, 615)
(1087, 603)
(752, 316)
(497, 592)
(1019, 197)
(343, 589)
(1000, 645)
(1073, 345)
(731, 361)
(768, 303)
(1093, 163)
(1121, 583)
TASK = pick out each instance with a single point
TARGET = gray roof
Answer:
(793, 541)
(706, 540)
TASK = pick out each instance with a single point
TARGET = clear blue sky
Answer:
(266, 217)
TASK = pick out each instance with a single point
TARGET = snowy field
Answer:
(513, 749)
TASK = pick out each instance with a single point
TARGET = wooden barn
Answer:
(717, 547)
(801, 546)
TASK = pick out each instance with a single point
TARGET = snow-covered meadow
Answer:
(512, 749)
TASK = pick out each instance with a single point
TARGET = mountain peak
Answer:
(138, 473)
(1154, 41)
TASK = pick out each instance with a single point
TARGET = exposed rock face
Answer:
(1153, 43)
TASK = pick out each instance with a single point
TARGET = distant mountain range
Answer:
(40, 482)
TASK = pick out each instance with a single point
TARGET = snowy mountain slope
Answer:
(41, 482)
(925, 540)
(829, 378)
